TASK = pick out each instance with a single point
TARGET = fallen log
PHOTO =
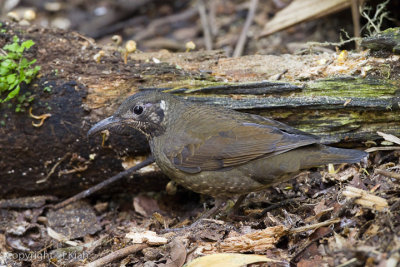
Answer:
(340, 98)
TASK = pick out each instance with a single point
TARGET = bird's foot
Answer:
(230, 212)
(219, 203)
(275, 206)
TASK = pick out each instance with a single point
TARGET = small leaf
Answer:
(15, 83)
(3, 72)
(14, 47)
(8, 64)
(11, 78)
(3, 86)
(27, 44)
(23, 63)
(13, 55)
(12, 94)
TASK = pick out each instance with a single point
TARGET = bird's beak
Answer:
(102, 125)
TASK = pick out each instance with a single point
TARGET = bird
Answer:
(218, 151)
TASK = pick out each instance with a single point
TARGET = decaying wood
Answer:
(365, 198)
(338, 97)
(257, 241)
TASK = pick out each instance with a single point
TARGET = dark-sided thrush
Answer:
(221, 152)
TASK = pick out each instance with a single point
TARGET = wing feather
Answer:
(236, 145)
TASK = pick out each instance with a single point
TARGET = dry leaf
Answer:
(302, 10)
(178, 254)
(390, 137)
(228, 260)
(60, 237)
(145, 205)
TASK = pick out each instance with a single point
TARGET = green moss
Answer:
(351, 87)
(335, 125)
(392, 32)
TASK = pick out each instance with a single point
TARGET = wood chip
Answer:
(257, 241)
(390, 137)
(365, 198)
(148, 237)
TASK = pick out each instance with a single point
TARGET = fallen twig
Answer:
(309, 242)
(382, 148)
(243, 36)
(314, 226)
(365, 198)
(115, 255)
(394, 175)
(99, 186)
(151, 30)
(204, 22)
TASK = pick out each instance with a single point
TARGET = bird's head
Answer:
(144, 111)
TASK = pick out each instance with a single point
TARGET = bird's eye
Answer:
(138, 110)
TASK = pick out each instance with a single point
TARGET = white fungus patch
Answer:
(163, 105)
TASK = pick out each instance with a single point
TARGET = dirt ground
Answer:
(346, 215)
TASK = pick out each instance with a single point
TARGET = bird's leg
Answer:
(233, 213)
(239, 201)
(219, 203)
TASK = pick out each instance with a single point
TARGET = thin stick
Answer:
(151, 30)
(99, 186)
(213, 21)
(117, 255)
(314, 226)
(355, 14)
(53, 169)
(394, 175)
(204, 22)
(243, 36)
(382, 148)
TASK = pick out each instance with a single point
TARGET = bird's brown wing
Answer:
(237, 145)
(270, 122)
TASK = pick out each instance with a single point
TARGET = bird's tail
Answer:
(325, 155)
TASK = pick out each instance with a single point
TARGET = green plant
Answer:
(15, 69)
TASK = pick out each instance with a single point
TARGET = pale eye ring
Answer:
(137, 110)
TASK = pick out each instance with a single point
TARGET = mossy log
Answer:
(342, 105)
